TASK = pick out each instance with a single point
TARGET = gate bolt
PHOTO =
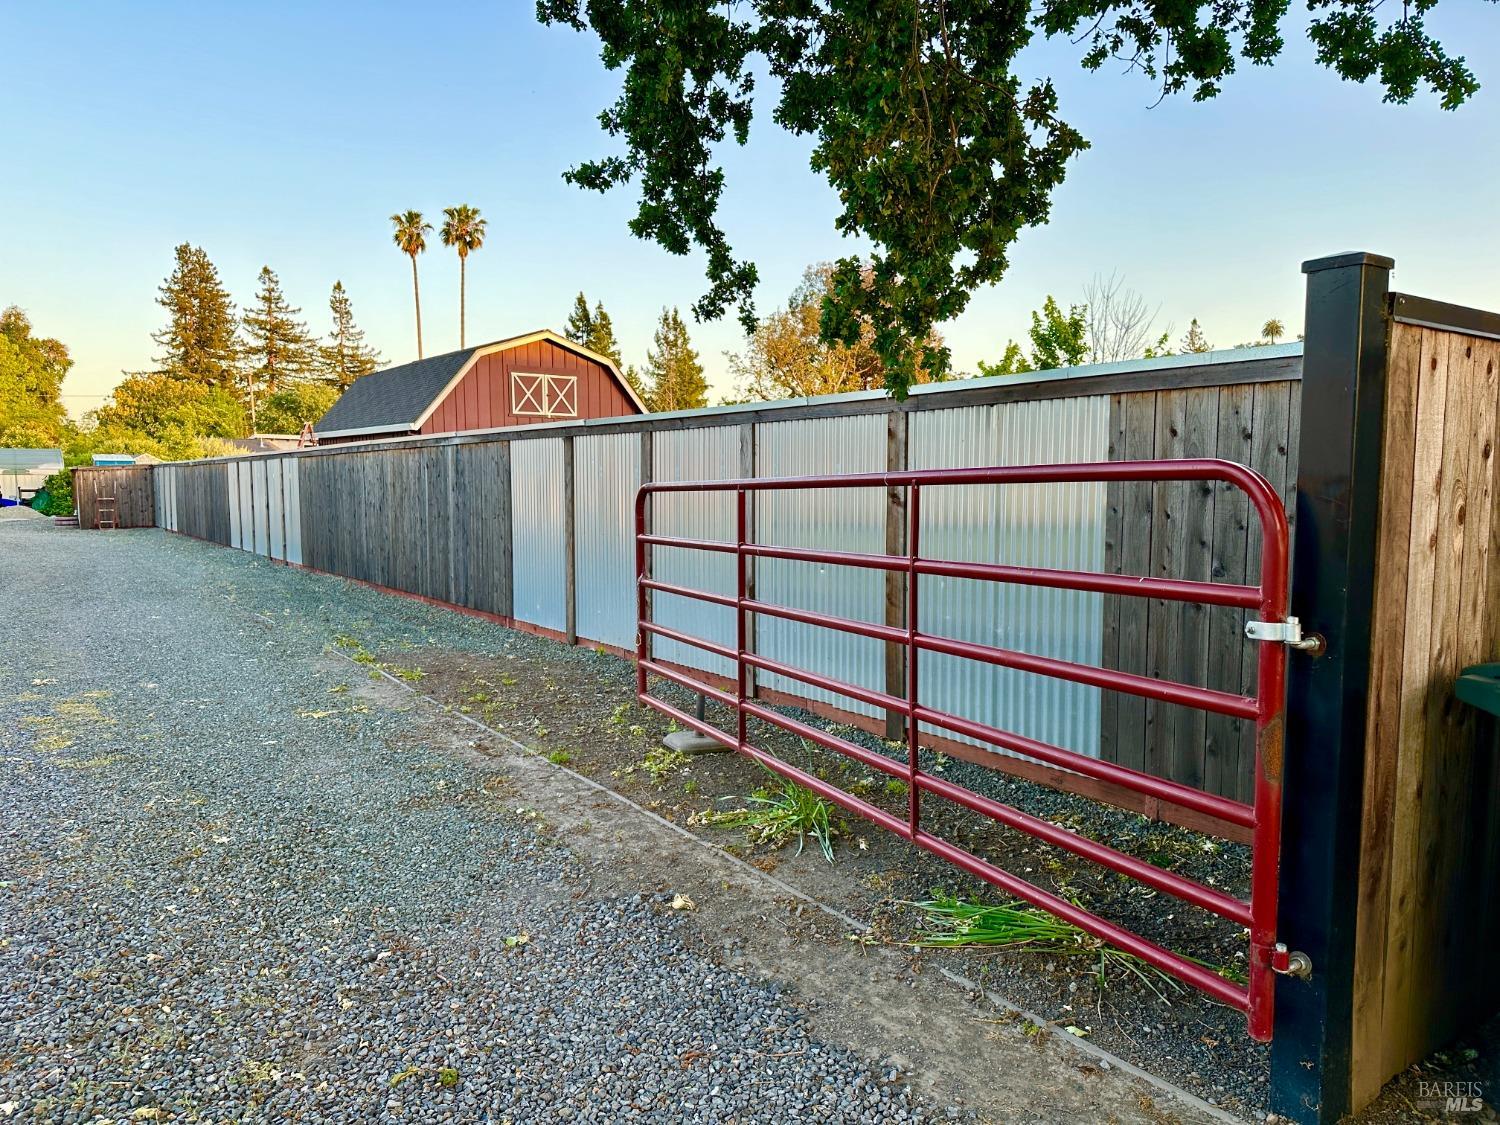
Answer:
(1290, 964)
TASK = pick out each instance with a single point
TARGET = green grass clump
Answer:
(783, 811)
(950, 922)
(559, 757)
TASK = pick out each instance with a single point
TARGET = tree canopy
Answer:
(593, 329)
(1058, 339)
(345, 357)
(201, 340)
(674, 377)
(786, 356)
(939, 151)
(172, 414)
(31, 374)
(277, 345)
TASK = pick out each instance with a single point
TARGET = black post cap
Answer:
(1348, 258)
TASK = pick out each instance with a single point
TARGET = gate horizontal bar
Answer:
(1167, 691)
(1126, 585)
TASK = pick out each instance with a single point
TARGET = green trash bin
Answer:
(1479, 686)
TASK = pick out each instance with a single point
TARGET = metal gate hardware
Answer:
(1288, 632)
(1290, 963)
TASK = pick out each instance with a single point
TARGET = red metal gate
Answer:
(1269, 598)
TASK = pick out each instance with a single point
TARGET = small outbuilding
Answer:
(22, 471)
(524, 380)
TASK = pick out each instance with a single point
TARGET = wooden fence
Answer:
(1430, 841)
(131, 486)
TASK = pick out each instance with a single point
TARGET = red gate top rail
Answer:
(1269, 598)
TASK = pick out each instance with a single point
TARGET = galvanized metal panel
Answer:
(260, 520)
(706, 454)
(844, 519)
(247, 509)
(232, 478)
(292, 490)
(275, 509)
(536, 490)
(1052, 525)
(606, 474)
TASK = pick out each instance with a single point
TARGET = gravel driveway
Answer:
(233, 888)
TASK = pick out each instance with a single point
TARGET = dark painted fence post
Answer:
(1333, 586)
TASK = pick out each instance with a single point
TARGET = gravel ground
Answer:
(233, 891)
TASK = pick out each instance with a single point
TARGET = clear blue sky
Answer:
(285, 134)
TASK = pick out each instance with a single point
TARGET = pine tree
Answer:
(580, 326)
(594, 330)
(672, 368)
(277, 347)
(346, 357)
(200, 341)
(1195, 341)
(601, 339)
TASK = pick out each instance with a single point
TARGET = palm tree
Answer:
(463, 229)
(1273, 330)
(411, 237)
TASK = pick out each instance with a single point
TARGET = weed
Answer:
(447, 1077)
(951, 922)
(559, 757)
(409, 675)
(690, 787)
(895, 787)
(659, 762)
(776, 814)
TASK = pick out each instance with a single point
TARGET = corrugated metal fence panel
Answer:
(845, 519)
(712, 453)
(292, 488)
(276, 509)
(232, 480)
(537, 520)
(260, 517)
(1053, 525)
(606, 474)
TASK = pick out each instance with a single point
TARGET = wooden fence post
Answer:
(1333, 593)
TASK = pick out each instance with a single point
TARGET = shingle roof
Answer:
(395, 396)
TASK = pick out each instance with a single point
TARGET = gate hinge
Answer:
(1288, 632)
(1290, 963)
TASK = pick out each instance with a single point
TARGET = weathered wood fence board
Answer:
(1189, 530)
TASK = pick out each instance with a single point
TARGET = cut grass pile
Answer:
(778, 813)
(950, 922)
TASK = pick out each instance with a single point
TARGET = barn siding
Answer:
(482, 398)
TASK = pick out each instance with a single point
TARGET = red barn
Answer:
(538, 377)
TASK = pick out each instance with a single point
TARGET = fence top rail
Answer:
(1270, 363)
